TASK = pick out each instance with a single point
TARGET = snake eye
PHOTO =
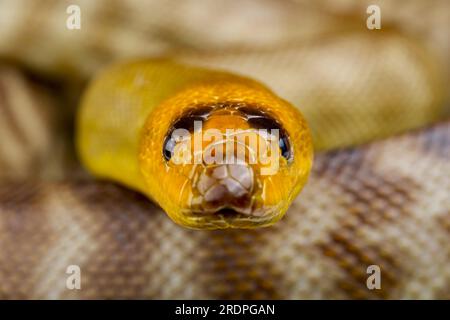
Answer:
(285, 147)
(201, 112)
(188, 122)
(265, 121)
(168, 147)
(181, 127)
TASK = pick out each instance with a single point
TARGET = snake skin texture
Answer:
(385, 204)
(28, 123)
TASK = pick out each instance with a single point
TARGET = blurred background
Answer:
(384, 204)
(353, 84)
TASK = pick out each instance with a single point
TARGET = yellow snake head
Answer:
(225, 154)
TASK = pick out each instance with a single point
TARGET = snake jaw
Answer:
(224, 196)
(248, 211)
(228, 218)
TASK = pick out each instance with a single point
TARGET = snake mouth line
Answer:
(230, 218)
(231, 214)
(227, 212)
(223, 212)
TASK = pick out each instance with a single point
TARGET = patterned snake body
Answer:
(361, 207)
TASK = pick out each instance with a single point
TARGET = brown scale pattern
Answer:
(236, 271)
(355, 211)
(19, 253)
(403, 225)
(125, 223)
(373, 200)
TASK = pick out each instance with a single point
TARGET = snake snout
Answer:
(225, 186)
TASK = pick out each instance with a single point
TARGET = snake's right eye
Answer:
(168, 147)
(174, 137)
(189, 122)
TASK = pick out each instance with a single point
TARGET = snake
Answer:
(362, 156)
(142, 103)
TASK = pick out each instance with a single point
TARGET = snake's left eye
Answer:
(285, 147)
(265, 121)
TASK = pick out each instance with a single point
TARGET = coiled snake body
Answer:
(381, 203)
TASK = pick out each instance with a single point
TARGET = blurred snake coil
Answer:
(376, 104)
